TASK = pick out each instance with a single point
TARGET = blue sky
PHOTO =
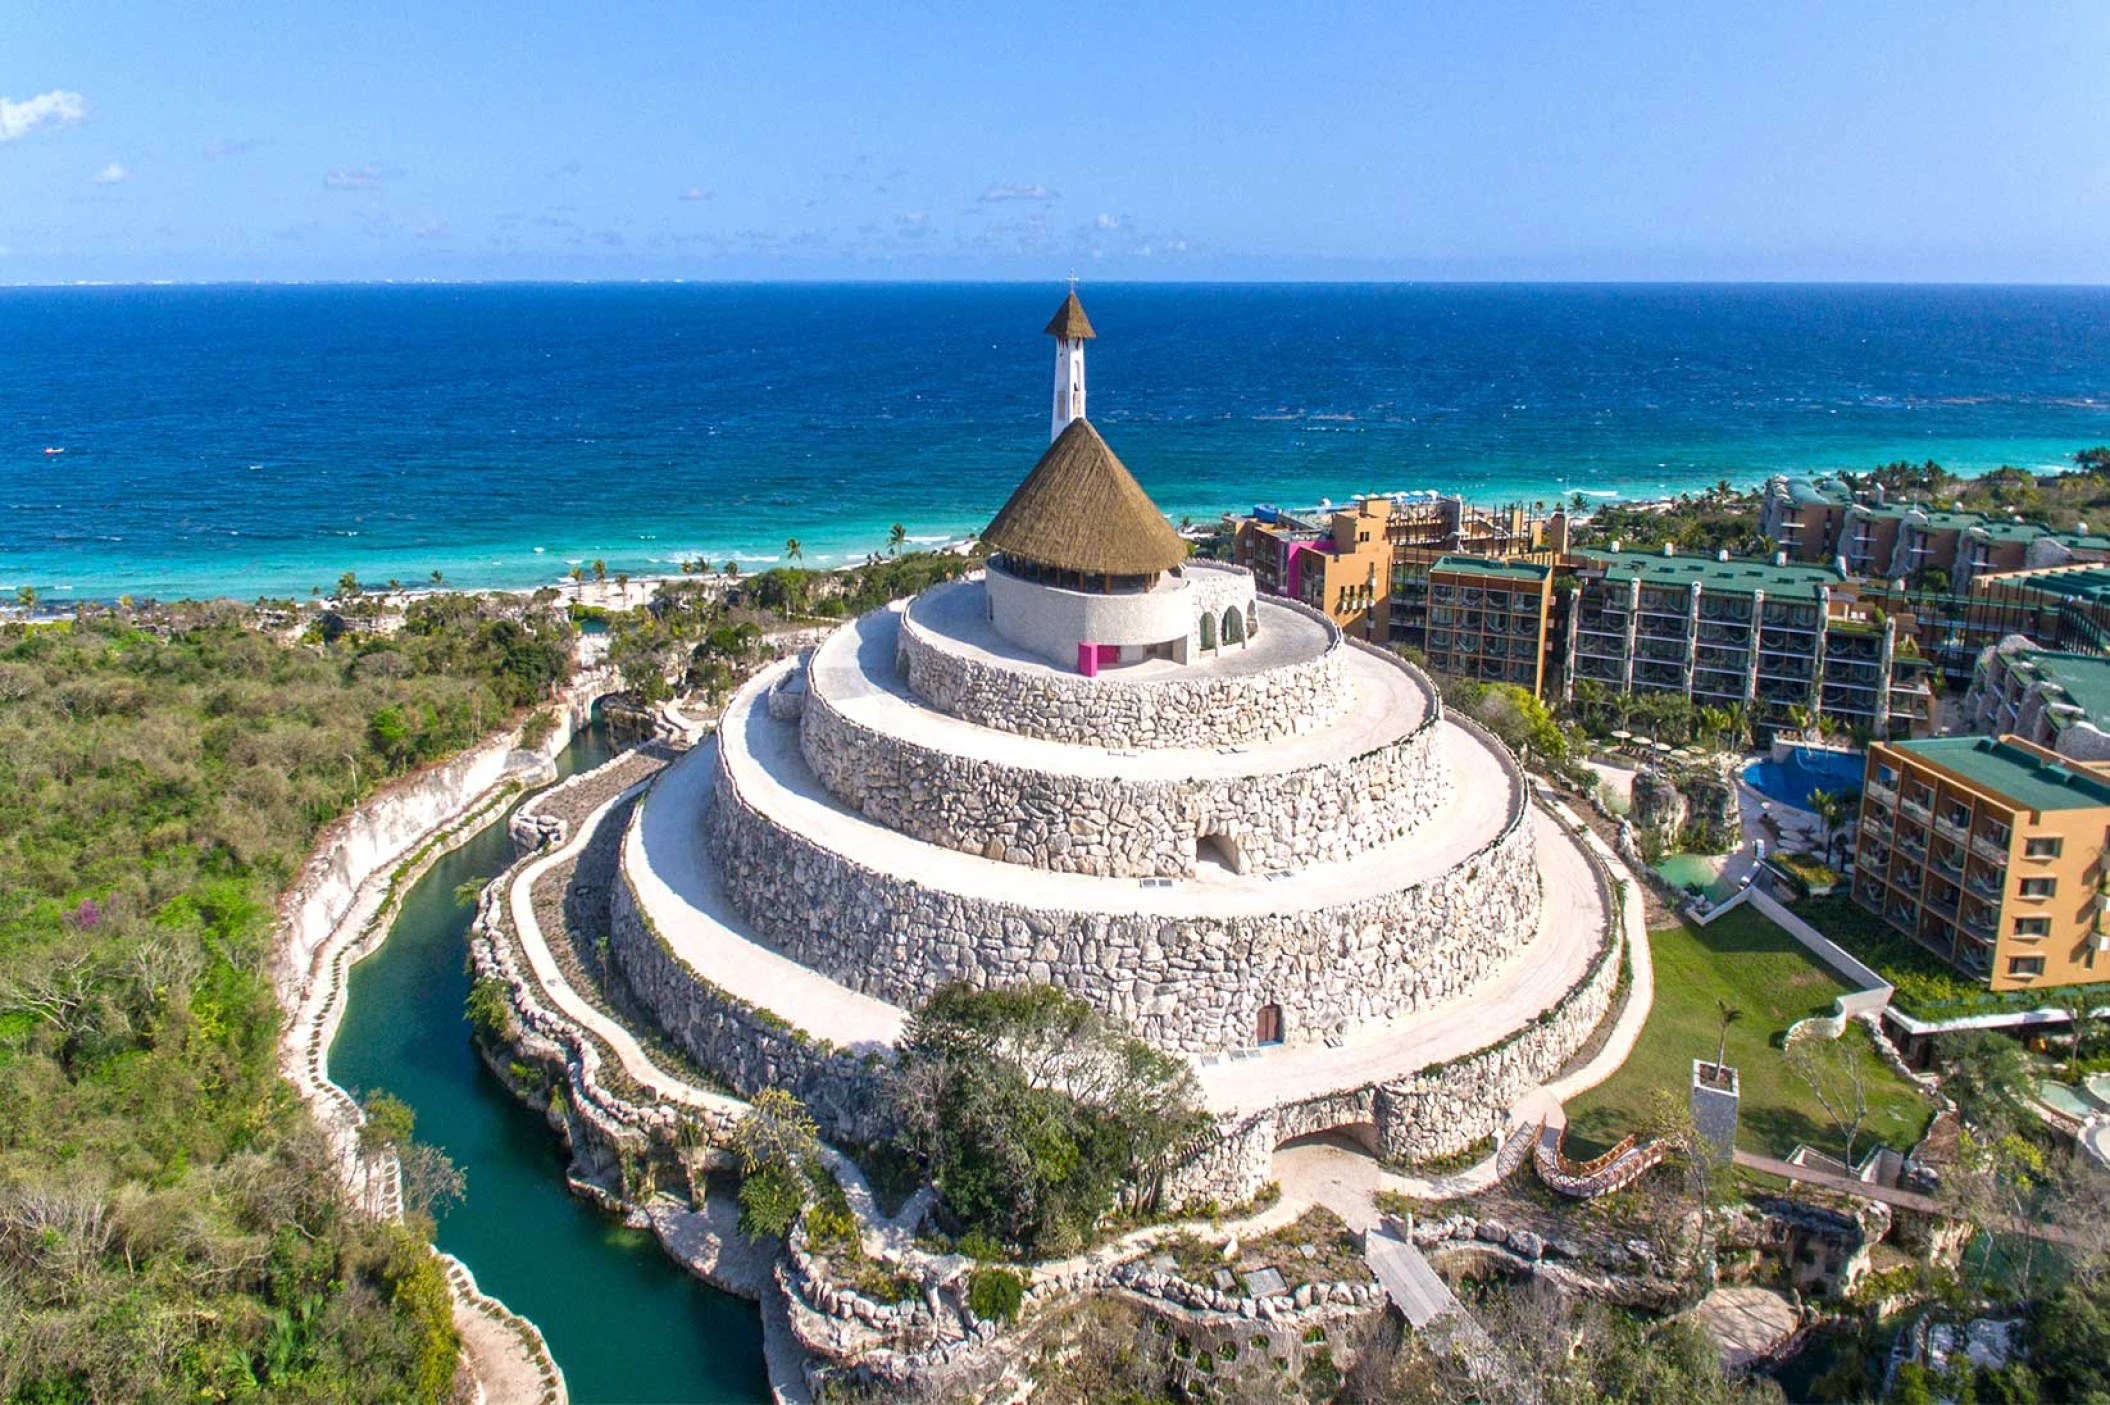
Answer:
(531, 140)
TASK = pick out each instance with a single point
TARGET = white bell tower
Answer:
(1071, 330)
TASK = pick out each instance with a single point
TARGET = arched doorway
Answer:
(1220, 850)
(1267, 1026)
(1234, 626)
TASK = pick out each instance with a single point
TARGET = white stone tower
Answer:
(1071, 330)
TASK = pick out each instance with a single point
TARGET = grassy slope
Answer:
(1759, 969)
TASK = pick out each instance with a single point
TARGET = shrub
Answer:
(996, 1294)
(770, 1201)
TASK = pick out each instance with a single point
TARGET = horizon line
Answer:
(817, 281)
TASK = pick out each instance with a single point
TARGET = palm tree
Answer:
(437, 577)
(792, 550)
(732, 569)
(28, 596)
(1729, 1016)
(895, 536)
(1828, 808)
(600, 570)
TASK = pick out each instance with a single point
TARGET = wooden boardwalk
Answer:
(1414, 1287)
(1902, 1199)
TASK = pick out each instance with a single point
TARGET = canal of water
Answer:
(624, 1321)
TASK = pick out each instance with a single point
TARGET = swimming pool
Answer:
(2064, 1097)
(1688, 871)
(1806, 769)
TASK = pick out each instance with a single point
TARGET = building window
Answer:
(2025, 965)
(2042, 848)
(1960, 816)
(2033, 926)
(2038, 887)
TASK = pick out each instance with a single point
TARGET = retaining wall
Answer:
(1124, 828)
(1196, 707)
(749, 1048)
(1193, 984)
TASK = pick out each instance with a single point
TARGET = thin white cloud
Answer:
(697, 192)
(57, 108)
(110, 174)
(353, 178)
(1017, 192)
(433, 229)
(1105, 221)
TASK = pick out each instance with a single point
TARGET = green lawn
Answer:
(1759, 969)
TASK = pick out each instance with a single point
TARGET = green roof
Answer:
(1942, 521)
(2018, 776)
(1819, 490)
(2009, 531)
(2084, 679)
(1737, 575)
(1489, 566)
(2090, 583)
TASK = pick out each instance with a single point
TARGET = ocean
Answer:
(240, 441)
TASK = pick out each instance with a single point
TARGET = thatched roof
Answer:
(1081, 510)
(1069, 320)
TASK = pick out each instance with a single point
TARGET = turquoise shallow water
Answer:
(624, 1321)
(237, 440)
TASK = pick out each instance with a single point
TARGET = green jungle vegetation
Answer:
(1744, 963)
(1032, 1111)
(171, 1223)
(707, 634)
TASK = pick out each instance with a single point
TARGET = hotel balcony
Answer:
(1913, 849)
(1948, 863)
(1977, 924)
(1913, 809)
(1949, 829)
(1876, 823)
(1985, 848)
(1985, 884)
(1880, 793)
(1975, 959)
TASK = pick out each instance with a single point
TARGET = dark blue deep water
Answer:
(238, 440)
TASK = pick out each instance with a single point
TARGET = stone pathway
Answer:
(855, 672)
(1544, 1104)
(1747, 1324)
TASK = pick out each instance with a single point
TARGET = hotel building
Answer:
(1989, 853)
(1474, 617)
(1766, 637)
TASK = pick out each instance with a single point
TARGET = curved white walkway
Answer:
(1533, 979)
(764, 759)
(670, 869)
(855, 672)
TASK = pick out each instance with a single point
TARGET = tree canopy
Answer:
(1034, 1112)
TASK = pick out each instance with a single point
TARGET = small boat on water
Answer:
(59, 450)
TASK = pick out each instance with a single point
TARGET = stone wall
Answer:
(1195, 984)
(1129, 828)
(749, 1048)
(1438, 1112)
(1201, 707)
